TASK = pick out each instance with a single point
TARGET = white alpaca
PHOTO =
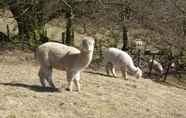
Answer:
(156, 66)
(172, 65)
(136, 43)
(55, 55)
(114, 56)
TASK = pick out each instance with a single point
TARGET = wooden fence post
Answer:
(45, 33)
(8, 31)
(170, 62)
(63, 37)
(115, 45)
(22, 36)
(145, 49)
(100, 49)
(84, 26)
(96, 44)
(139, 56)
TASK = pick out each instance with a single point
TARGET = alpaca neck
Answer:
(132, 69)
(85, 58)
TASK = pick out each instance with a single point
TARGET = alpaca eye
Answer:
(88, 43)
(85, 44)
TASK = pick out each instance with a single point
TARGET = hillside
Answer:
(101, 96)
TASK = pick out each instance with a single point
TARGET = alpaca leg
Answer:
(70, 77)
(112, 68)
(41, 76)
(124, 73)
(76, 81)
(48, 77)
(107, 67)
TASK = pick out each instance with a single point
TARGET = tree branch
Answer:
(67, 4)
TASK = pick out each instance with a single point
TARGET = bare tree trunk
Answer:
(31, 29)
(125, 39)
(125, 15)
(70, 28)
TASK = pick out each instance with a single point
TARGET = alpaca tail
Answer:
(35, 55)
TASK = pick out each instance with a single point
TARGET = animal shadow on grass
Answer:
(35, 88)
(160, 80)
(97, 73)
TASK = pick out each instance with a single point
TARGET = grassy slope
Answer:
(101, 96)
(22, 95)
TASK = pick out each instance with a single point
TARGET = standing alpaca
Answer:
(54, 55)
(136, 43)
(114, 56)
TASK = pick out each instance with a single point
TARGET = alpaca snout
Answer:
(89, 48)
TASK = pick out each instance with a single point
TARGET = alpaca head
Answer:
(87, 44)
(138, 73)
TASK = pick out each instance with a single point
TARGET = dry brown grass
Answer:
(23, 97)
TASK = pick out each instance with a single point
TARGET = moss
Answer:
(36, 37)
(31, 37)
(37, 34)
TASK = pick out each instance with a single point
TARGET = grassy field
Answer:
(21, 94)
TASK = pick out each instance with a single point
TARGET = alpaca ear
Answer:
(81, 42)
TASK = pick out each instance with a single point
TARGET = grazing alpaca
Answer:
(155, 66)
(55, 55)
(114, 56)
